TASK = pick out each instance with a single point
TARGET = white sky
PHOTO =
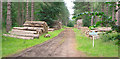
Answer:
(70, 5)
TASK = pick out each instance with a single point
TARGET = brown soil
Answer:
(63, 45)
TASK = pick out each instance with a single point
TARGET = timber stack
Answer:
(31, 30)
(99, 30)
(57, 25)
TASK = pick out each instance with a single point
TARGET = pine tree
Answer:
(1, 9)
(113, 13)
(27, 10)
(32, 11)
(8, 20)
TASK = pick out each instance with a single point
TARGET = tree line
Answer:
(108, 8)
(16, 13)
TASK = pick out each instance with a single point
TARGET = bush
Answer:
(111, 37)
(70, 24)
(116, 28)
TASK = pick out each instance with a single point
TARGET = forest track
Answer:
(63, 45)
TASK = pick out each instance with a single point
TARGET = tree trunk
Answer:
(102, 11)
(66, 22)
(1, 10)
(96, 19)
(32, 11)
(88, 6)
(8, 20)
(1, 16)
(113, 13)
(27, 15)
(19, 17)
(92, 17)
(119, 18)
(118, 14)
(22, 13)
(107, 9)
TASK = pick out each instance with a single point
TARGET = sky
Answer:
(70, 5)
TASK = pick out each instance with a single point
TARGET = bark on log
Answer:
(26, 35)
(23, 31)
(34, 22)
(103, 29)
(33, 25)
(29, 28)
(20, 37)
(51, 29)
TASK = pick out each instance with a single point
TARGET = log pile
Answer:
(57, 25)
(103, 29)
(31, 30)
(98, 30)
(84, 29)
(39, 24)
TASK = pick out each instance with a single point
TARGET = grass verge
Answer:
(101, 49)
(13, 45)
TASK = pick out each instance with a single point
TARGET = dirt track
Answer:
(63, 45)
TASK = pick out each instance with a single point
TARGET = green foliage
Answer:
(43, 11)
(91, 27)
(101, 49)
(12, 45)
(53, 11)
(116, 28)
(110, 37)
(71, 23)
(64, 26)
(82, 7)
(91, 13)
(107, 20)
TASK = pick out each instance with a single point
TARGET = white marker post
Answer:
(93, 41)
(93, 33)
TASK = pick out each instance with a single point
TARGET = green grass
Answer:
(101, 49)
(13, 45)
(66, 27)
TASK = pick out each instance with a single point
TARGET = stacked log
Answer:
(51, 29)
(84, 29)
(31, 30)
(98, 30)
(57, 25)
(37, 24)
(103, 29)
